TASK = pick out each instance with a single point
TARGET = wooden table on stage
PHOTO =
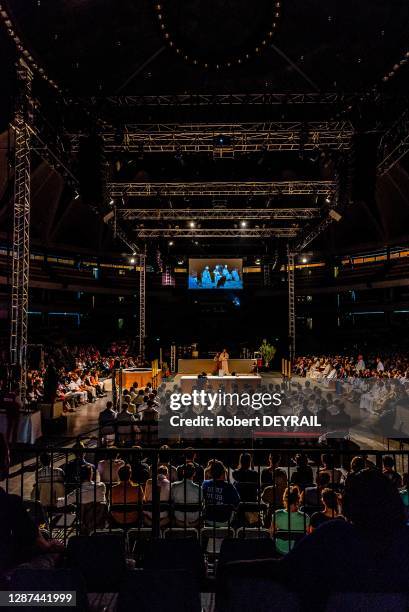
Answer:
(216, 382)
(197, 366)
(140, 375)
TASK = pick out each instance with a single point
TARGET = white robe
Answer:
(224, 358)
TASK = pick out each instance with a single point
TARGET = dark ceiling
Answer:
(105, 48)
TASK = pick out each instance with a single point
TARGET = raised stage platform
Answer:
(216, 382)
(197, 366)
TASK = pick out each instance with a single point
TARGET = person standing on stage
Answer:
(206, 278)
(224, 358)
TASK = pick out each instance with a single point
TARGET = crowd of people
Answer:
(314, 508)
(333, 367)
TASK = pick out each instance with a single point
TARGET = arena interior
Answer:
(204, 305)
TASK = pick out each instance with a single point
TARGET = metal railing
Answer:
(77, 491)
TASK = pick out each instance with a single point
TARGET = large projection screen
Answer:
(216, 273)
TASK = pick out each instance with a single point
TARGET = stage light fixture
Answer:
(171, 243)
(304, 260)
(192, 224)
(335, 215)
(328, 200)
(243, 223)
(132, 260)
(76, 195)
(111, 201)
(181, 262)
(257, 261)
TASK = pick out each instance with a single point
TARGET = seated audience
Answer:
(274, 475)
(288, 520)
(49, 485)
(75, 469)
(186, 491)
(330, 502)
(164, 495)
(190, 456)
(126, 492)
(366, 553)
(21, 541)
(107, 416)
(246, 479)
(302, 476)
(108, 468)
(91, 498)
(217, 493)
(390, 472)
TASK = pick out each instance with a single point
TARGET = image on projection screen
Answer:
(215, 273)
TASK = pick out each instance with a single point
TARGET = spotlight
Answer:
(243, 223)
(181, 261)
(196, 242)
(171, 243)
(335, 215)
(328, 200)
(257, 261)
(111, 201)
(132, 260)
(304, 260)
(192, 224)
(76, 195)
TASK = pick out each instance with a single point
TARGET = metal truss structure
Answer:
(394, 144)
(215, 214)
(263, 232)
(291, 302)
(173, 358)
(242, 188)
(264, 99)
(313, 233)
(142, 304)
(21, 227)
(235, 137)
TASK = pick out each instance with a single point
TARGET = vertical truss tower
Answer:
(21, 227)
(142, 304)
(291, 303)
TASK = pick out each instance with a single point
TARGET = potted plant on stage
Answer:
(267, 351)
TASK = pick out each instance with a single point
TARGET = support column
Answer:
(21, 228)
(142, 304)
(291, 303)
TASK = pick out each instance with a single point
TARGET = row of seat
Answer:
(172, 590)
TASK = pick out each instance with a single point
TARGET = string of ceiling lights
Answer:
(396, 67)
(231, 62)
(31, 62)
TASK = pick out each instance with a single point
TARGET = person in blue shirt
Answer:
(220, 497)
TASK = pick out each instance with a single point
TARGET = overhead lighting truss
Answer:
(237, 137)
(271, 232)
(242, 188)
(214, 214)
(265, 99)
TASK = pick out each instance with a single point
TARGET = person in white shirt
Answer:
(379, 365)
(75, 391)
(108, 469)
(186, 492)
(89, 492)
